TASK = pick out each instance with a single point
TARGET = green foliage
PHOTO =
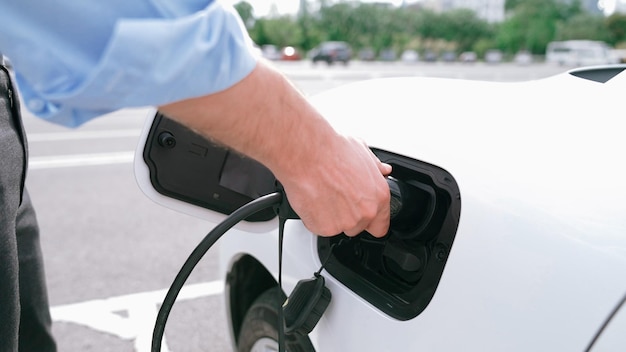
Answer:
(281, 31)
(464, 28)
(246, 12)
(583, 26)
(482, 45)
(510, 5)
(616, 25)
(530, 25)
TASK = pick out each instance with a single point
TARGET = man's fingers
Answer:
(379, 229)
(384, 168)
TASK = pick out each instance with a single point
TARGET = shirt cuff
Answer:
(151, 62)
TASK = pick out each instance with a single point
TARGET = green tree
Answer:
(458, 29)
(280, 31)
(616, 26)
(510, 5)
(583, 26)
(532, 24)
(306, 21)
(362, 25)
(428, 24)
(246, 12)
(464, 28)
(338, 21)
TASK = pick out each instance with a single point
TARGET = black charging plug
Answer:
(306, 305)
(398, 199)
(310, 297)
(284, 209)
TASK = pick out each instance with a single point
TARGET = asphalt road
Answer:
(111, 253)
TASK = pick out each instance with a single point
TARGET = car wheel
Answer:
(259, 330)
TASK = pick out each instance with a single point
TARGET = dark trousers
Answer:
(24, 311)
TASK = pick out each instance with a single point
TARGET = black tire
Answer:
(260, 326)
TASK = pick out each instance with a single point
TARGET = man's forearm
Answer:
(334, 182)
(262, 117)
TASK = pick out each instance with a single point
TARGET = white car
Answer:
(517, 238)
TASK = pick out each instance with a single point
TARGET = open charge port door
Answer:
(186, 166)
(399, 273)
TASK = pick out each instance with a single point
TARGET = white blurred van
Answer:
(579, 53)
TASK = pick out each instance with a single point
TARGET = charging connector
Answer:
(310, 297)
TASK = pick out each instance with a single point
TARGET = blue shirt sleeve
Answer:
(124, 55)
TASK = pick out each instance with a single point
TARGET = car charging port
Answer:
(400, 272)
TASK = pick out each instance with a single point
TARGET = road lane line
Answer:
(74, 160)
(141, 310)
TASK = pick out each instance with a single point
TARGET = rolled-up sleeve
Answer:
(149, 62)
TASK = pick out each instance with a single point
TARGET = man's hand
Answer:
(341, 189)
(335, 183)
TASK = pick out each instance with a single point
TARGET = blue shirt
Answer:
(75, 59)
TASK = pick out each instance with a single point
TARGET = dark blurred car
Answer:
(332, 52)
(430, 56)
(448, 56)
(387, 55)
(289, 53)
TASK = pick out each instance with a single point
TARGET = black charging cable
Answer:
(310, 296)
(209, 240)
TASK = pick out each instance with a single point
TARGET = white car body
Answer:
(538, 262)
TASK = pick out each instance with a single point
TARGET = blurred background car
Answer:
(331, 52)
(430, 56)
(620, 55)
(448, 56)
(270, 52)
(523, 57)
(387, 55)
(410, 56)
(289, 53)
(367, 54)
(468, 57)
(579, 53)
(493, 56)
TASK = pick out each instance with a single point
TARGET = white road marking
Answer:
(58, 161)
(141, 310)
